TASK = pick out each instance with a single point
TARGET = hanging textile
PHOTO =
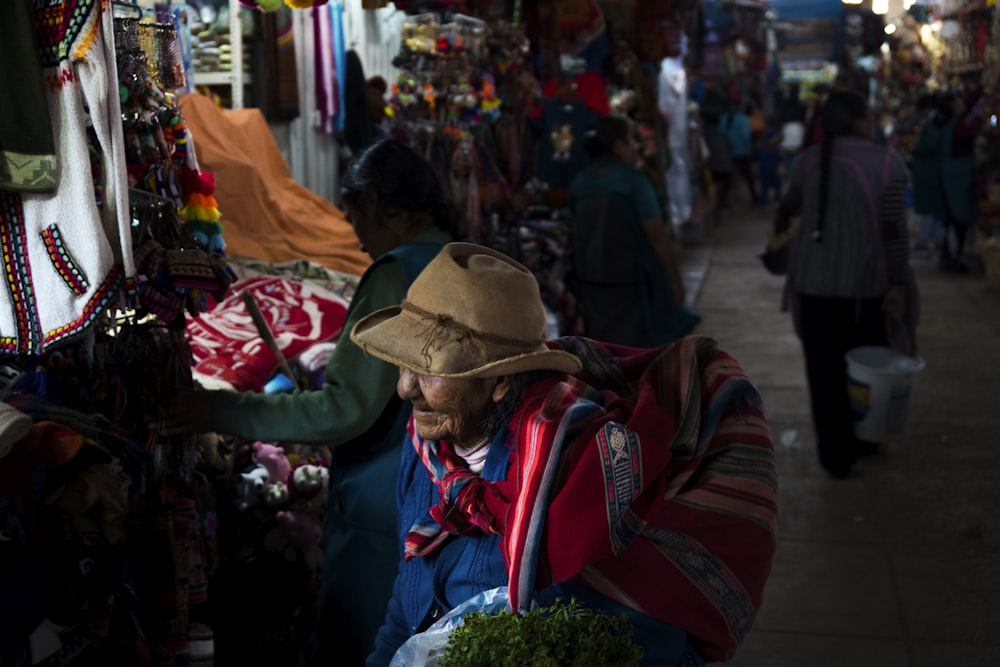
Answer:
(330, 67)
(359, 130)
(325, 74)
(72, 246)
(339, 60)
(28, 160)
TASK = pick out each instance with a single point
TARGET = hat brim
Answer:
(390, 334)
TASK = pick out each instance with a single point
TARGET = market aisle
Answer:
(897, 565)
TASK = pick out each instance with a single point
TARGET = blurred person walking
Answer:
(925, 170)
(958, 176)
(849, 281)
(736, 126)
(628, 279)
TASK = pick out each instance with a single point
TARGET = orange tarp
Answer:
(266, 215)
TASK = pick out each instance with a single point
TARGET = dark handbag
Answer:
(775, 259)
(776, 252)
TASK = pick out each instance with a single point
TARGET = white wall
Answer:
(375, 36)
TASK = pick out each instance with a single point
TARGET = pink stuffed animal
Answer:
(273, 458)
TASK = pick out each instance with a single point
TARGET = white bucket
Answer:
(880, 384)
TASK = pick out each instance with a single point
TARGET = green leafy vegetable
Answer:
(561, 635)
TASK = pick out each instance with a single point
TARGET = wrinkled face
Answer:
(450, 409)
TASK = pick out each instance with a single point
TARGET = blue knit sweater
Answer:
(462, 567)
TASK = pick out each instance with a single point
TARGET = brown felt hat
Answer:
(472, 312)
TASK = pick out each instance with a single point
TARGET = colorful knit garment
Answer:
(66, 253)
(649, 478)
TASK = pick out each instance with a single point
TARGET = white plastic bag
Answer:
(425, 649)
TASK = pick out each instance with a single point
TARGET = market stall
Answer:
(108, 529)
(120, 544)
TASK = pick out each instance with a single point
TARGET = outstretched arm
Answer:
(357, 389)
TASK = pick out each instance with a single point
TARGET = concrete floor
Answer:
(898, 565)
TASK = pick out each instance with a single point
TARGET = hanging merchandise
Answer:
(161, 46)
(332, 70)
(28, 161)
(420, 35)
(420, 6)
(358, 127)
(561, 153)
(275, 5)
(109, 532)
(447, 98)
(466, 95)
(78, 267)
(673, 105)
(179, 248)
(658, 32)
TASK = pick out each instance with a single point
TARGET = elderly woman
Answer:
(639, 481)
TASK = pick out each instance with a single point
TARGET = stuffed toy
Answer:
(309, 485)
(272, 457)
(216, 454)
(252, 486)
(296, 531)
(275, 495)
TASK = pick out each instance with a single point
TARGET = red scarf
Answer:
(466, 504)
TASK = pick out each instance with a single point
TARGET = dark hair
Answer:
(403, 180)
(791, 108)
(601, 139)
(926, 102)
(841, 111)
(945, 103)
(378, 84)
(501, 411)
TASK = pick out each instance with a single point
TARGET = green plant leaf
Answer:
(560, 635)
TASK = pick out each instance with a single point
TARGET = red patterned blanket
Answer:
(227, 348)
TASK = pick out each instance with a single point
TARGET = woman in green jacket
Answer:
(402, 216)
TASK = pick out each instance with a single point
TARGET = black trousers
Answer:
(828, 328)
